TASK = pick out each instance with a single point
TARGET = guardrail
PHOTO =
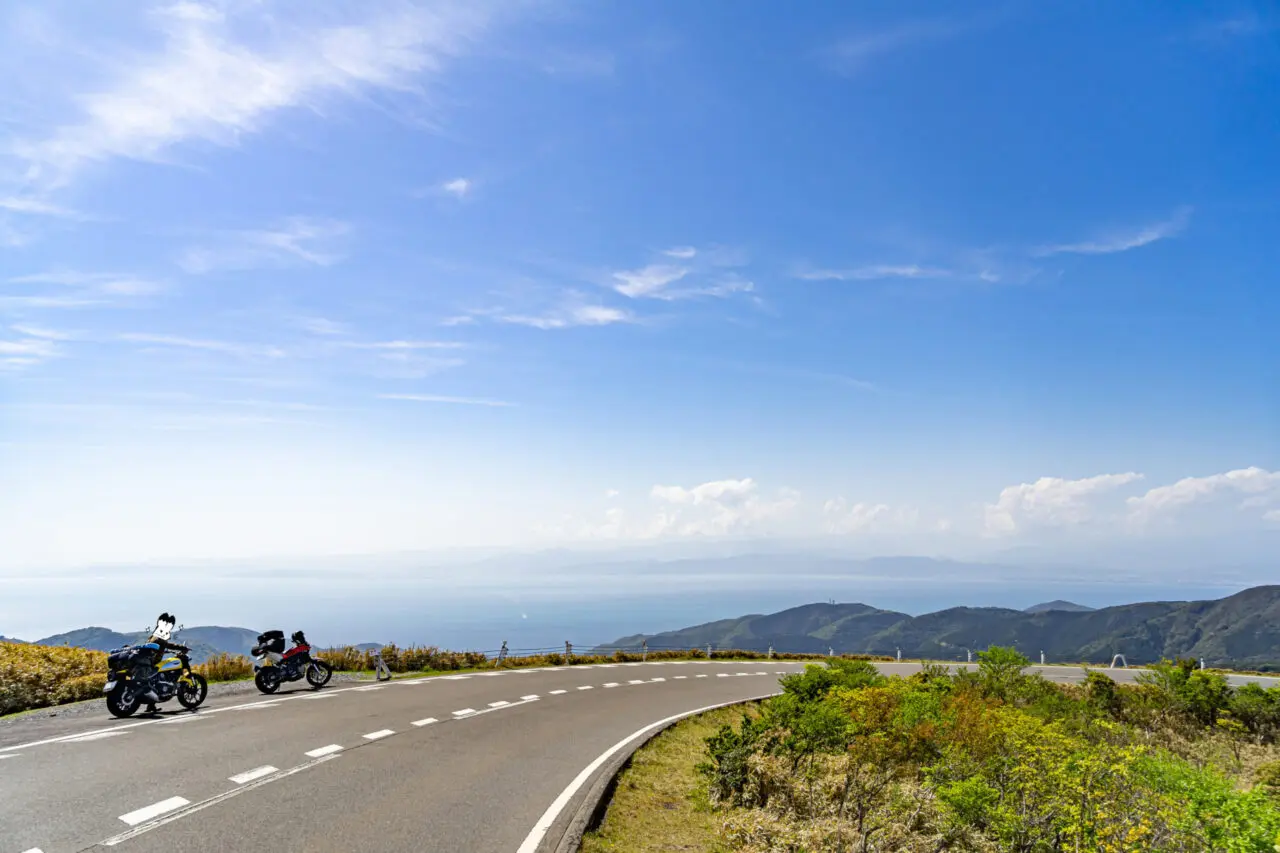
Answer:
(569, 654)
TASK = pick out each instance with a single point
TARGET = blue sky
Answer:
(286, 279)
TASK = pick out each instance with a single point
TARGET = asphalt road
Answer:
(455, 764)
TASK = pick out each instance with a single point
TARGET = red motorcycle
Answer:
(275, 665)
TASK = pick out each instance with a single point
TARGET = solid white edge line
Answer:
(204, 804)
(324, 750)
(95, 736)
(539, 831)
(379, 734)
(428, 721)
(255, 773)
(146, 813)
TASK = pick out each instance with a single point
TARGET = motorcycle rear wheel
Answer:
(267, 681)
(120, 708)
(318, 674)
(191, 696)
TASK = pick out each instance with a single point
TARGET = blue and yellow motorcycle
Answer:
(134, 672)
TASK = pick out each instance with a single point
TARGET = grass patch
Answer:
(661, 802)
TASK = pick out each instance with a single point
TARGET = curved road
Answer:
(474, 763)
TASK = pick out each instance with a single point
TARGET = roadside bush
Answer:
(997, 760)
(225, 667)
(39, 676)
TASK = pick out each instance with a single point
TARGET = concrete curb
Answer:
(591, 811)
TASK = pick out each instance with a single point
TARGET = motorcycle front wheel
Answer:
(267, 680)
(191, 694)
(319, 673)
(123, 702)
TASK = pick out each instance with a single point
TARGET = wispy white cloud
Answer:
(404, 351)
(700, 274)
(224, 70)
(323, 326)
(458, 187)
(459, 320)
(408, 345)
(233, 348)
(42, 332)
(28, 351)
(37, 207)
(298, 240)
(876, 272)
(580, 315)
(647, 281)
(1123, 240)
(101, 284)
(436, 398)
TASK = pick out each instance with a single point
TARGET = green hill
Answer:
(1242, 630)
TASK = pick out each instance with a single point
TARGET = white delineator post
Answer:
(1042, 657)
(771, 653)
(899, 655)
(708, 651)
(568, 653)
(968, 655)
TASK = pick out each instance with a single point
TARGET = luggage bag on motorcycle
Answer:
(270, 641)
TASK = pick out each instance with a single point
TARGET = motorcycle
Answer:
(133, 671)
(275, 666)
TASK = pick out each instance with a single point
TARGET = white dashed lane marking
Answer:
(558, 692)
(379, 734)
(464, 712)
(636, 681)
(585, 687)
(529, 698)
(612, 684)
(325, 750)
(420, 723)
(154, 810)
(657, 679)
(250, 775)
(499, 703)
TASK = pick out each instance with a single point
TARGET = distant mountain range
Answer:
(1242, 630)
(204, 641)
